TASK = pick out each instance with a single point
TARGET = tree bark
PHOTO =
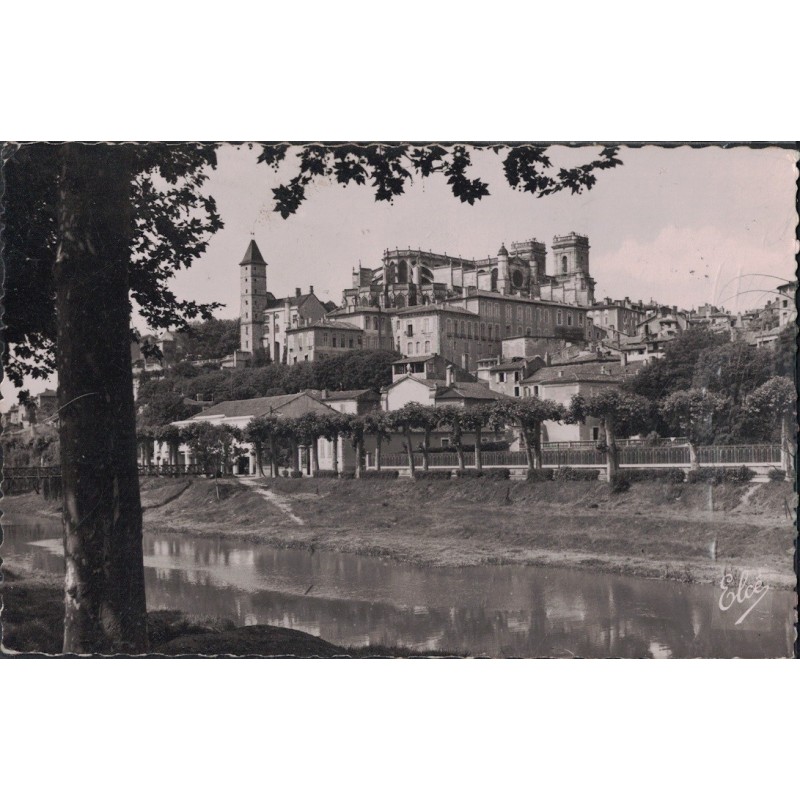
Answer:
(335, 442)
(528, 450)
(612, 456)
(105, 607)
(478, 454)
(536, 445)
(359, 448)
(694, 460)
(426, 443)
(314, 457)
(787, 446)
(410, 450)
(378, 451)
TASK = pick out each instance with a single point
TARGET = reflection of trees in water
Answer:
(497, 610)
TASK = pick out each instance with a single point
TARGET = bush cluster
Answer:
(468, 473)
(666, 475)
(540, 475)
(571, 474)
(384, 474)
(347, 475)
(620, 483)
(438, 475)
(776, 474)
(295, 473)
(326, 473)
(718, 475)
(498, 474)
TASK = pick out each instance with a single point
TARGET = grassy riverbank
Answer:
(33, 622)
(680, 532)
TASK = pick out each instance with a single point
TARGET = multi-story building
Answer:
(316, 341)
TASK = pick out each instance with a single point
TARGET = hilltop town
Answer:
(428, 330)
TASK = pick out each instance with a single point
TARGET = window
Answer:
(333, 341)
(410, 349)
(516, 391)
(519, 330)
(483, 330)
(516, 376)
(445, 441)
(569, 319)
(558, 317)
(427, 347)
(359, 341)
(501, 377)
(366, 323)
(595, 434)
(350, 341)
(509, 312)
(409, 329)
(564, 264)
(417, 348)
(449, 325)
(324, 339)
(535, 391)
(527, 331)
(462, 327)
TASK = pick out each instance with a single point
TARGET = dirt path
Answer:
(280, 502)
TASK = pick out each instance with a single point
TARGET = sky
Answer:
(680, 225)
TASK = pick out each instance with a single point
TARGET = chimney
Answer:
(450, 375)
(311, 290)
(297, 291)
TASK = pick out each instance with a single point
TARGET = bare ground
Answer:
(684, 532)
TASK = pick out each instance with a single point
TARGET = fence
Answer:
(42, 480)
(558, 456)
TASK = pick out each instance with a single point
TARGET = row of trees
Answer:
(620, 413)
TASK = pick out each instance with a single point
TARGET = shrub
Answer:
(438, 475)
(384, 474)
(620, 483)
(571, 474)
(667, 475)
(468, 473)
(295, 473)
(326, 473)
(777, 474)
(539, 475)
(347, 475)
(498, 474)
(718, 475)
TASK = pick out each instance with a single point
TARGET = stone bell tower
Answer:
(253, 294)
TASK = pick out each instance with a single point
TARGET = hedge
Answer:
(498, 474)
(295, 473)
(348, 475)
(468, 473)
(570, 474)
(540, 475)
(384, 474)
(326, 473)
(777, 474)
(439, 475)
(666, 475)
(717, 475)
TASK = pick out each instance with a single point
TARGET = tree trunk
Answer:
(694, 460)
(378, 450)
(478, 454)
(295, 455)
(459, 448)
(426, 443)
(359, 448)
(787, 446)
(314, 457)
(105, 607)
(612, 456)
(410, 449)
(335, 442)
(536, 446)
(529, 456)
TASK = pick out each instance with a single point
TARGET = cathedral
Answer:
(479, 301)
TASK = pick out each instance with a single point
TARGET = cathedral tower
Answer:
(253, 274)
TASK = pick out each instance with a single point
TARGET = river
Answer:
(514, 611)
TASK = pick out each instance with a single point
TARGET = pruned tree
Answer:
(777, 400)
(262, 432)
(377, 423)
(476, 420)
(356, 432)
(527, 414)
(214, 446)
(620, 413)
(405, 421)
(691, 412)
(450, 418)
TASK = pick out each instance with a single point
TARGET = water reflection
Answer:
(493, 610)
